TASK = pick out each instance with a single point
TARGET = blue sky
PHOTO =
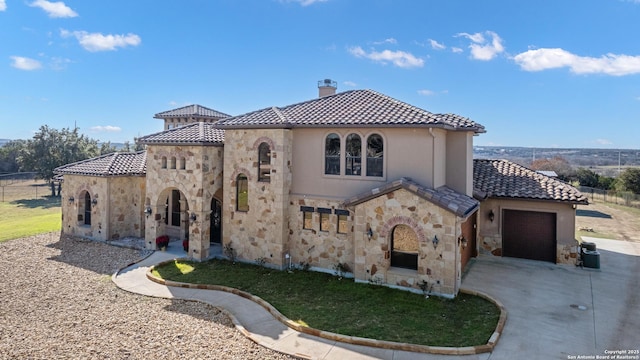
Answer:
(543, 73)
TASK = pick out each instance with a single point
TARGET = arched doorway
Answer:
(215, 235)
(175, 215)
(404, 247)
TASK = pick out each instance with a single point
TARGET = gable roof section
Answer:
(114, 164)
(444, 197)
(200, 133)
(194, 111)
(356, 108)
(505, 179)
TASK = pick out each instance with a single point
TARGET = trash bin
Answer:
(591, 259)
(585, 245)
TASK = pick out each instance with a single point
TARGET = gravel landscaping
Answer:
(57, 301)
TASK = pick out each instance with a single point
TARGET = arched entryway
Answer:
(215, 235)
(176, 214)
(404, 247)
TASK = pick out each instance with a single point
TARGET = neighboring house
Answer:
(356, 180)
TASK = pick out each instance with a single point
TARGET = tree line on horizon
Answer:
(50, 148)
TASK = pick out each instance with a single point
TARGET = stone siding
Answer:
(319, 249)
(199, 181)
(438, 266)
(261, 232)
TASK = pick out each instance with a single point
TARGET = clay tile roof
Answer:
(448, 199)
(505, 179)
(200, 133)
(191, 111)
(356, 108)
(114, 164)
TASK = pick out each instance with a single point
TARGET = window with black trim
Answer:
(343, 221)
(264, 162)
(325, 221)
(307, 217)
(353, 155)
(375, 155)
(242, 193)
(87, 208)
(332, 154)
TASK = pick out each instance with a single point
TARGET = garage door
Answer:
(529, 235)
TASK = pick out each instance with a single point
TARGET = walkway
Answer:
(256, 322)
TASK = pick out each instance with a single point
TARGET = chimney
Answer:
(326, 87)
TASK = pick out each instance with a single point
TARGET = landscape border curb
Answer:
(383, 344)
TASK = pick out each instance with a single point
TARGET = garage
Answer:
(529, 235)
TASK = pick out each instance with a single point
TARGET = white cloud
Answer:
(98, 42)
(350, 83)
(303, 2)
(3, 5)
(398, 58)
(609, 64)
(58, 63)
(54, 9)
(436, 45)
(603, 142)
(426, 92)
(386, 41)
(107, 128)
(456, 50)
(481, 49)
(24, 63)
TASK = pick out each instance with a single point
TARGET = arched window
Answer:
(353, 152)
(264, 162)
(375, 155)
(332, 154)
(87, 208)
(242, 193)
(173, 162)
(164, 162)
(404, 247)
(183, 163)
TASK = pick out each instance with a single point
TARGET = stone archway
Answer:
(173, 207)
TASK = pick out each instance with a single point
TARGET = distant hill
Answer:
(4, 141)
(603, 161)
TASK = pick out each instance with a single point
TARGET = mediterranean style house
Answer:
(356, 181)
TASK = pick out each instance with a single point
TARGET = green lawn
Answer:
(23, 218)
(324, 302)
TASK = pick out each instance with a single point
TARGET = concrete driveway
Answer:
(560, 311)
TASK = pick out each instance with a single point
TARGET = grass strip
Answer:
(325, 302)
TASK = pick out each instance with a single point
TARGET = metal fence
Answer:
(626, 198)
(23, 186)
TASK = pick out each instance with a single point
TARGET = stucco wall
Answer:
(460, 161)
(490, 232)
(262, 231)
(407, 153)
(439, 266)
(198, 182)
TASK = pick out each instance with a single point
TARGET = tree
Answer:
(51, 148)
(587, 177)
(558, 164)
(9, 154)
(629, 180)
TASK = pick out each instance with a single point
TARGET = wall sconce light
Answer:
(491, 215)
(71, 199)
(369, 233)
(462, 241)
(147, 210)
(435, 242)
(192, 217)
(94, 202)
